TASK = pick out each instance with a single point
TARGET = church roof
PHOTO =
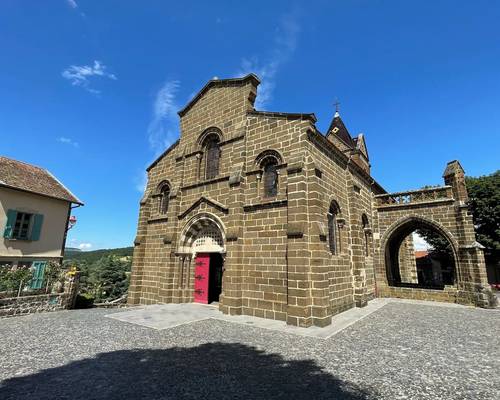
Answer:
(30, 178)
(338, 129)
(218, 82)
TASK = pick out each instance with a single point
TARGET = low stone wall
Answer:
(14, 306)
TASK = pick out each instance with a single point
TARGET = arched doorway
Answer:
(420, 254)
(203, 240)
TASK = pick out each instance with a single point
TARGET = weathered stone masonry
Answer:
(307, 251)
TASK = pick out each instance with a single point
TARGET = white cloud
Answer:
(164, 127)
(419, 242)
(141, 181)
(80, 245)
(85, 246)
(284, 45)
(72, 3)
(81, 75)
(67, 141)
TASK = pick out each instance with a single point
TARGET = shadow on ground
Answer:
(213, 370)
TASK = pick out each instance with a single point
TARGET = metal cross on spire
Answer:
(337, 108)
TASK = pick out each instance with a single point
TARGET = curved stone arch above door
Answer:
(204, 233)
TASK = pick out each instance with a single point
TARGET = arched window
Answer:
(270, 177)
(212, 154)
(366, 233)
(164, 198)
(333, 231)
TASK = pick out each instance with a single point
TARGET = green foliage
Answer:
(484, 201)
(12, 278)
(105, 279)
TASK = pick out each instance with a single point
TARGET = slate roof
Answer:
(342, 131)
(30, 178)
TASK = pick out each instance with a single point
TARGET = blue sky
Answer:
(90, 89)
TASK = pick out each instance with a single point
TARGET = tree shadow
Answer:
(212, 370)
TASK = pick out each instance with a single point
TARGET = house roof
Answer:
(218, 82)
(421, 253)
(30, 178)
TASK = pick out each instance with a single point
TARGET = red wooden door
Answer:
(201, 275)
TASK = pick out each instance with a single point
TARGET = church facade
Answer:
(263, 214)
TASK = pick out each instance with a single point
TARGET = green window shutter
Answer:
(11, 220)
(37, 281)
(37, 226)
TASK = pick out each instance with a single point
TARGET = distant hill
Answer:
(92, 256)
(72, 250)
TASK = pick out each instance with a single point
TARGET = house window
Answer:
(164, 199)
(22, 226)
(333, 231)
(270, 177)
(212, 151)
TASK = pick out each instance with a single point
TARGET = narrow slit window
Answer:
(212, 158)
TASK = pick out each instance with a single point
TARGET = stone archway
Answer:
(203, 233)
(397, 235)
(203, 241)
(443, 209)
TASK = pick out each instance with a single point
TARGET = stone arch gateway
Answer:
(444, 210)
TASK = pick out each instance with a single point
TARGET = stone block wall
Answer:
(15, 306)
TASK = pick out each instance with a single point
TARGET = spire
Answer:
(338, 128)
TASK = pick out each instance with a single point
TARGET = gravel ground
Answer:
(402, 351)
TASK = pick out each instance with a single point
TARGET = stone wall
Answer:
(23, 305)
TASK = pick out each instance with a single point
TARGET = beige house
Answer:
(34, 212)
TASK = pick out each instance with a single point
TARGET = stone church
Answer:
(264, 215)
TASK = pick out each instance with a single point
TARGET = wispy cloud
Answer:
(419, 242)
(141, 181)
(164, 127)
(81, 75)
(72, 3)
(80, 245)
(67, 141)
(284, 45)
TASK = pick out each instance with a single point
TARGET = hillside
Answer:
(93, 256)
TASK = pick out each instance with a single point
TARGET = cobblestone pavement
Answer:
(401, 351)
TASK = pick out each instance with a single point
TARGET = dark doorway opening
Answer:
(215, 277)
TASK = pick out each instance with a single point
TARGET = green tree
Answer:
(484, 201)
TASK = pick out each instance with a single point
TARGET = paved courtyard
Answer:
(398, 350)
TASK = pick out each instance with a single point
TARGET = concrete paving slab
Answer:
(166, 316)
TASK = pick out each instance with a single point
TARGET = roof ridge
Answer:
(24, 162)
